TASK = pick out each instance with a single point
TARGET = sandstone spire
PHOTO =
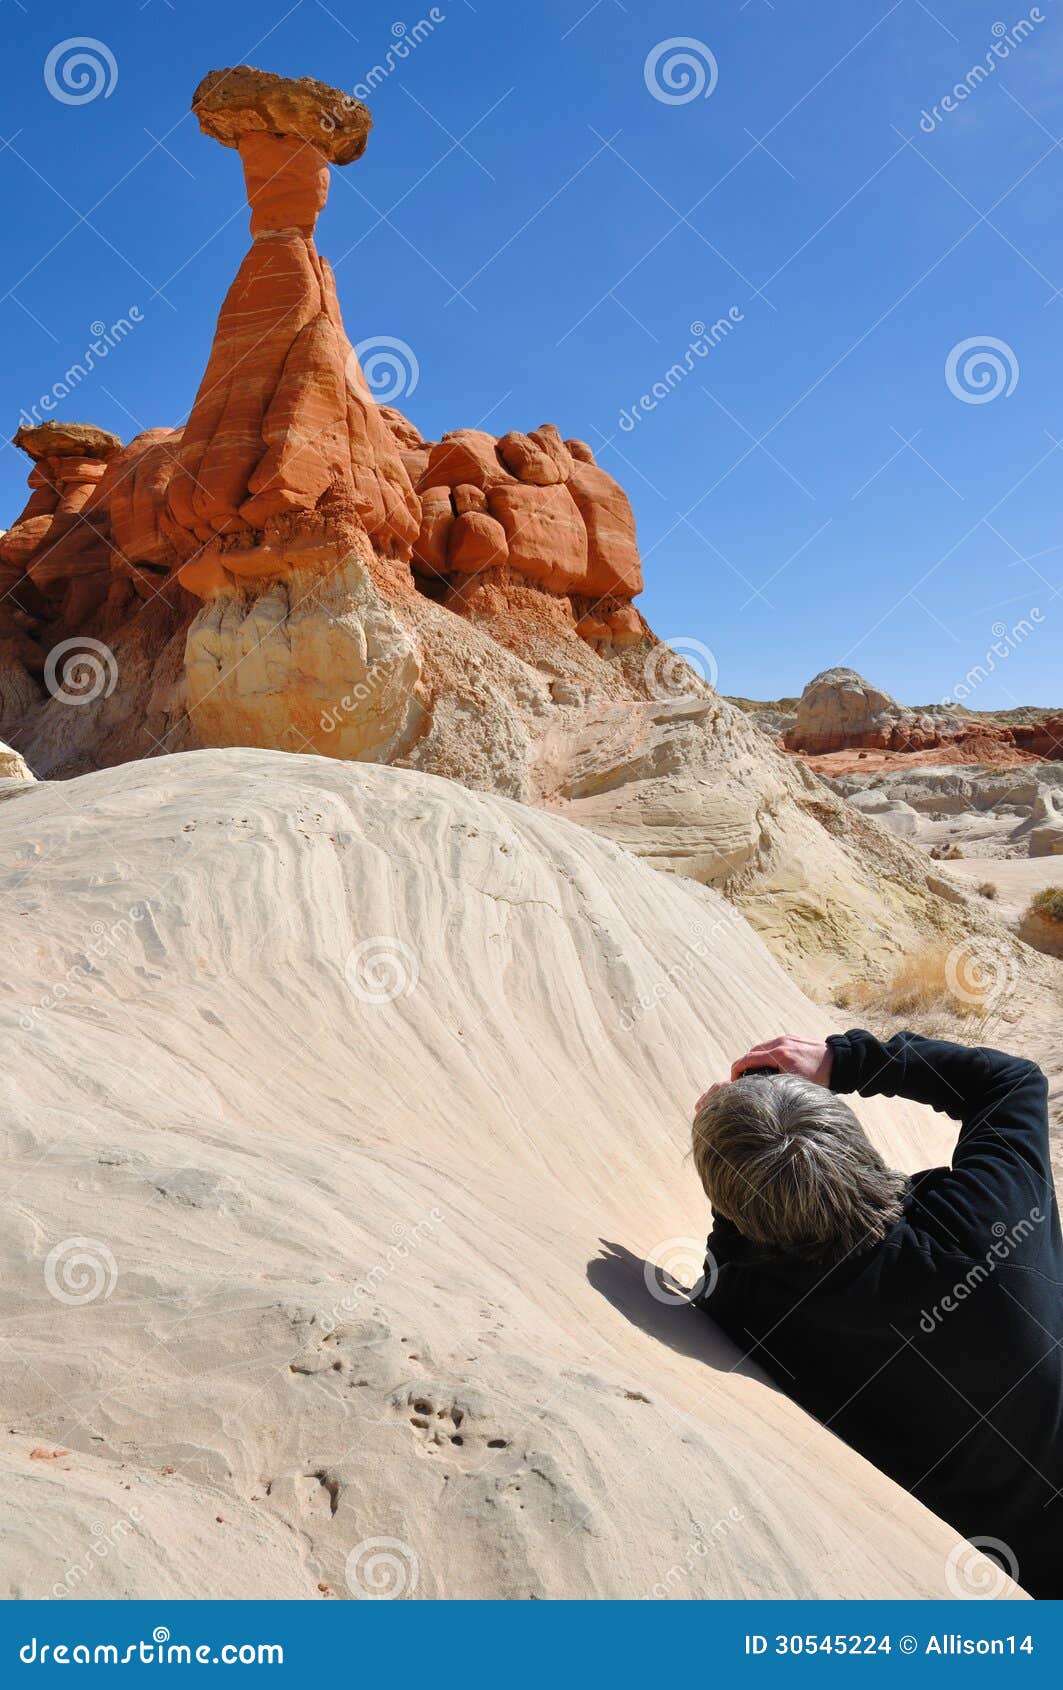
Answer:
(285, 453)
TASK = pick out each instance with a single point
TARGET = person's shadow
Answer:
(624, 1279)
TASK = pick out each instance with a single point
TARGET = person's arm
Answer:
(1001, 1101)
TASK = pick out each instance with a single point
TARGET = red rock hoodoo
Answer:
(284, 449)
(286, 462)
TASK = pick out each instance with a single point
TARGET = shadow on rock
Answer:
(621, 1277)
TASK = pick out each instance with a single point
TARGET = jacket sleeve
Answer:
(1000, 1101)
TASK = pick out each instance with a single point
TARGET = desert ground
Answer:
(362, 1138)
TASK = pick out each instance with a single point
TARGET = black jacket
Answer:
(938, 1353)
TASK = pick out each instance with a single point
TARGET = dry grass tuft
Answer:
(922, 987)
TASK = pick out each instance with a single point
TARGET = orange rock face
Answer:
(134, 494)
(540, 504)
(287, 183)
(56, 559)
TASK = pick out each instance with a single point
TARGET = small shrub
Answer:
(987, 889)
(1042, 922)
(1048, 904)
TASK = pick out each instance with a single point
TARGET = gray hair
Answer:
(788, 1163)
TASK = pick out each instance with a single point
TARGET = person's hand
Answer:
(810, 1058)
(704, 1098)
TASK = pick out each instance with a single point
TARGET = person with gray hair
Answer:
(920, 1317)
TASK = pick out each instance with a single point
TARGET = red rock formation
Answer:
(301, 505)
(134, 493)
(1040, 739)
(286, 462)
(840, 714)
(976, 752)
(55, 560)
(539, 508)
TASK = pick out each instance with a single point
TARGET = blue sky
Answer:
(542, 230)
